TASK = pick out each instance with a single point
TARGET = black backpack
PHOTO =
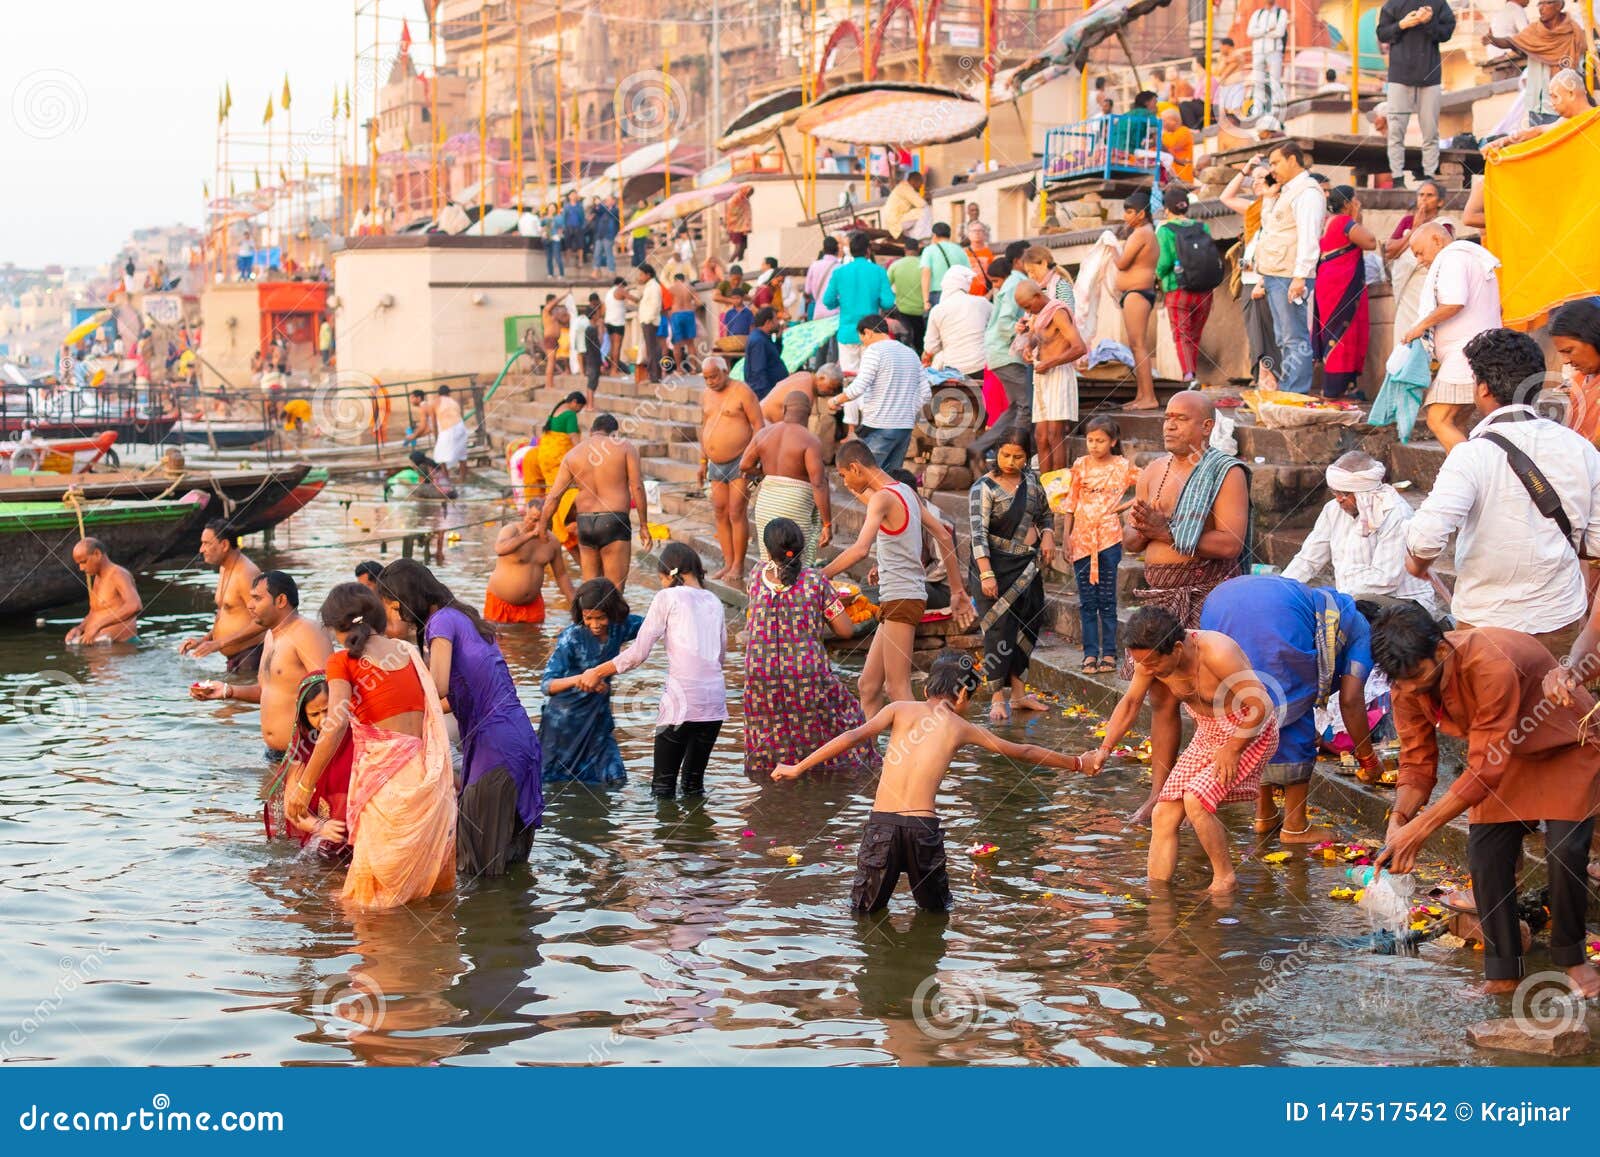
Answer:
(1199, 264)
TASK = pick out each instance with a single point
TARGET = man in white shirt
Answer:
(1287, 249)
(957, 325)
(650, 318)
(1268, 31)
(1506, 23)
(890, 391)
(1361, 536)
(1516, 567)
(1460, 299)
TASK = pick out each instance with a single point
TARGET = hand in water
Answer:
(331, 830)
(1141, 818)
(785, 771)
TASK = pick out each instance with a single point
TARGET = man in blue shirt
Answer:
(763, 368)
(572, 225)
(606, 225)
(857, 288)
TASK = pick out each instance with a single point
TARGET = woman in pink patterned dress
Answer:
(793, 702)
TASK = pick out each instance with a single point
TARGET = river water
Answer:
(148, 921)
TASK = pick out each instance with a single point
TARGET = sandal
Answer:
(1108, 664)
(1091, 665)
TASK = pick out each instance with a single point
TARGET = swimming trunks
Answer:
(723, 471)
(680, 325)
(246, 662)
(1148, 294)
(598, 530)
(892, 843)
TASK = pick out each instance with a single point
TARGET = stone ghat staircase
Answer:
(1287, 489)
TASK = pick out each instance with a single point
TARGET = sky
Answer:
(109, 121)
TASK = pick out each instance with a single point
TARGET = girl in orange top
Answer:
(401, 808)
(1093, 532)
(1575, 332)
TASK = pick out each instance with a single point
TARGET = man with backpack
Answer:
(1188, 268)
(937, 258)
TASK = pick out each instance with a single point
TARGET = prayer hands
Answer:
(1151, 523)
(1559, 684)
(785, 771)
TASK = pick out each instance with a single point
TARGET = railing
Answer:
(136, 413)
(1125, 144)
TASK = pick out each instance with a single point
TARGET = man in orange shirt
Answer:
(978, 256)
(1178, 140)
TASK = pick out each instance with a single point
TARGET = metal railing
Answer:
(1124, 144)
(137, 413)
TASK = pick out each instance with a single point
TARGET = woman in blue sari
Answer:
(576, 729)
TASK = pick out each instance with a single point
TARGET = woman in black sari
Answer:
(1005, 505)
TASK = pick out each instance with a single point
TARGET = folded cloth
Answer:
(1407, 376)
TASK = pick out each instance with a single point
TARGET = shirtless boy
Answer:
(794, 483)
(903, 832)
(516, 588)
(1136, 293)
(730, 414)
(233, 631)
(895, 523)
(293, 648)
(680, 322)
(114, 602)
(605, 470)
(1236, 732)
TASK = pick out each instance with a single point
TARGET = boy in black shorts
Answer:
(903, 832)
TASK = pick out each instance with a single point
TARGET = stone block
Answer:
(949, 455)
(1520, 1035)
(964, 642)
(947, 478)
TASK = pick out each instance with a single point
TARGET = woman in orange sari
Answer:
(1575, 332)
(401, 809)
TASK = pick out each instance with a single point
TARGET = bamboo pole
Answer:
(372, 135)
(483, 117)
(1355, 64)
(1211, 59)
(354, 93)
(988, 75)
(516, 128)
(559, 109)
(433, 121)
(666, 161)
(866, 74)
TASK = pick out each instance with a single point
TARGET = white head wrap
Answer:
(956, 279)
(1374, 497)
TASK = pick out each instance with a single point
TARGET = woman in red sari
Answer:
(1339, 323)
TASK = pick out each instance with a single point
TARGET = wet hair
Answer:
(873, 323)
(220, 529)
(420, 595)
(282, 583)
(786, 547)
(1139, 202)
(1108, 426)
(860, 245)
(952, 673)
(854, 453)
(1152, 629)
(680, 557)
(1014, 252)
(1339, 198)
(830, 247)
(1404, 636)
(599, 594)
(604, 424)
(369, 569)
(1579, 320)
(353, 608)
(1508, 364)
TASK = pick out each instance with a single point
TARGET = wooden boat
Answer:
(56, 455)
(224, 435)
(36, 541)
(251, 500)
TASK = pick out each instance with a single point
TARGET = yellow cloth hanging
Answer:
(1545, 243)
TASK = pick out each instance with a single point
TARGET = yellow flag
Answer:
(205, 187)
(347, 100)
(266, 117)
(283, 177)
(286, 92)
(335, 102)
(408, 138)
(258, 178)
(227, 97)
(306, 169)
(231, 189)
(222, 111)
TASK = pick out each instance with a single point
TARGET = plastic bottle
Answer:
(1385, 896)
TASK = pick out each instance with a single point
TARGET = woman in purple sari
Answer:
(500, 804)
(1339, 323)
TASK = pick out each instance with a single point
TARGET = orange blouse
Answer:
(375, 693)
(1095, 492)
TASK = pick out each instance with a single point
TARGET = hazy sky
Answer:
(110, 107)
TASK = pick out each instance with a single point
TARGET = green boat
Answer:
(36, 541)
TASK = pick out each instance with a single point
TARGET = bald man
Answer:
(730, 415)
(114, 602)
(1460, 299)
(793, 482)
(1190, 519)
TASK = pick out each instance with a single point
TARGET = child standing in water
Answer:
(1093, 532)
(903, 832)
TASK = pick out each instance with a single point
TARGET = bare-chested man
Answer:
(681, 322)
(730, 415)
(605, 470)
(1236, 732)
(293, 648)
(516, 588)
(114, 602)
(895, 522)
(1190, 519)
(233, 631)
(793, 481)
(824, 383)
(441, 417)
(1136, 292)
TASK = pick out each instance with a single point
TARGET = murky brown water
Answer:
(147, 920)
